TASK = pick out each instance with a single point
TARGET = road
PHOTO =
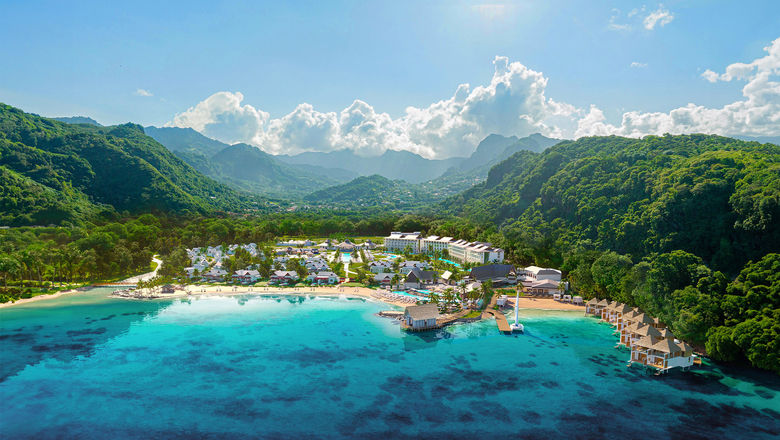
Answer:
(147, 276)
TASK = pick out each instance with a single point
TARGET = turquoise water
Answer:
(346, 257)
(295, 366)
(451, 262)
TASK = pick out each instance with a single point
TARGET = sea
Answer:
(89, 366)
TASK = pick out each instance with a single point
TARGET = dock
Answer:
(503, 324)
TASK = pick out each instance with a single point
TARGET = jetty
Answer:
(501, 321)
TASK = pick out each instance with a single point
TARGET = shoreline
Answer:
(38, 298)
(544, 304)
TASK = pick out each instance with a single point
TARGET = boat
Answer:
(516, 326)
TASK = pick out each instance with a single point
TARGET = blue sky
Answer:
(97, 59)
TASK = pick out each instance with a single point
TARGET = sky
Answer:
(432, 77)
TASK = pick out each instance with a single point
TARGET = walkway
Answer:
(144, 277)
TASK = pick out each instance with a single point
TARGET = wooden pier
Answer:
(503, 324)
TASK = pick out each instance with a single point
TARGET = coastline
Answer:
(544, 304)
(37, 298)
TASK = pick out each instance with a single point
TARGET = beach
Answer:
(37, 298)
(544, 304)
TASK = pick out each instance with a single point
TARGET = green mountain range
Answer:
(245, 167)
(372, 190)
(54, 172)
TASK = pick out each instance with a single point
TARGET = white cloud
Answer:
(514, 102)
(758, 114)
(638, 65)
(660, 17)
(613, 21)
(143, 92)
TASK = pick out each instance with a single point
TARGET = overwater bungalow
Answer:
(603, 304)
(592, 308)
(617, 314)
(638, 332)
(663, 354)
(643, 318)
(422, 317)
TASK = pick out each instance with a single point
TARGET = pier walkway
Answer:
(501, 322)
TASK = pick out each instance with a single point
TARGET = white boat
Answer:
(516, 326)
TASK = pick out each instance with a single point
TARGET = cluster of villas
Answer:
(312, 248)
(650, 342)
(207, 264)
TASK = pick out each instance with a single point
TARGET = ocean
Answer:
(91, 366)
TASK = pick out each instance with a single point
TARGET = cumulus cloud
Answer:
(143, 92)
(513, 103)
(758, 114)
(638, 65)
(660, 17)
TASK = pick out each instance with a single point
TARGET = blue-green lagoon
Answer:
(90, 366)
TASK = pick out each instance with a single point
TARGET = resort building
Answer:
(541, 273)
(316, 264)
(379, 266)
(418, 279)
(246, 276)
(421, 317)
(545, 287)
(407, 266)
(498, 274)
(284, 277)
(215, 275)
(461, 250)
(385, 278)
(323, 278)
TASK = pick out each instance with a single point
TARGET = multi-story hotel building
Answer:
(460, 250)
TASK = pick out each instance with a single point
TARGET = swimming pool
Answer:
(451, 262)
(401, 292)
(346, 257)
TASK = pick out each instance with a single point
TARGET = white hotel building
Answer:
(461, 250)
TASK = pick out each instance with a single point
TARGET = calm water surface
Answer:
(293, 366)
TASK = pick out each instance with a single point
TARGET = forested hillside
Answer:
(371, 191)
(57, 172)
(664, 223)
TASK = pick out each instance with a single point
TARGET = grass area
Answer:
(152, 266)
(473, 314)
(353, 285)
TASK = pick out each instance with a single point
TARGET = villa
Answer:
(592, 308)
(384, 278)
(284, 277)
(535, 273)
(461, 250)
(215, 275)
(379, 266)
(323, 278)
(246, 276)
(421, 317)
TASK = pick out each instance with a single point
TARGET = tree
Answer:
(9, 267)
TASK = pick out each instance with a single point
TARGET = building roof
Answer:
(593, 301)
(546, 284)
(326, 274)
(648, 330)
(666, 346)
(646, 341)
(642, 317)
(383, 275)
(420, 275)
(603, 303)
(666, 334)
(425, 311)
(446, 275)
(622, 309)
(491, 271)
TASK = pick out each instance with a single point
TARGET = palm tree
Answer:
(396, 279)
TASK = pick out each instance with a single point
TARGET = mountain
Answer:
(391, 164)
(78, 120)
(54, 172)
(185, 140)
(374, 190)
(474, 170)
(246, 167)
(715, 197)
